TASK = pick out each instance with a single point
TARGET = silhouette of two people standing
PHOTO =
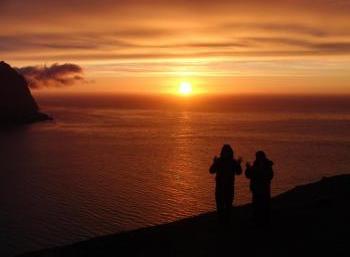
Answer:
(260, 174)
(226, 167)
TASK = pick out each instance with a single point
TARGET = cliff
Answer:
(17, 105)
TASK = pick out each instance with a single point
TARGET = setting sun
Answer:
(185, 88)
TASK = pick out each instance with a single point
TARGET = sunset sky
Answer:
(144, 46)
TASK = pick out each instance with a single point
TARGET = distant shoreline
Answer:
(210, 103)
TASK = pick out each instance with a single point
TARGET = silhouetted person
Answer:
(260, 175)
(225, 167)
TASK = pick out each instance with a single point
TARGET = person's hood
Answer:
(267, 162)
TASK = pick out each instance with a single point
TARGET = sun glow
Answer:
(185, 88)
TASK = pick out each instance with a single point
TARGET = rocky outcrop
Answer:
(17, 105)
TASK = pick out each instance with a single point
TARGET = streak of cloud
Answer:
(56, 75)
(115, 39)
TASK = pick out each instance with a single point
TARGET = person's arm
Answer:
(213, 167)
(270, 172)
(248, 170)
(238, 170)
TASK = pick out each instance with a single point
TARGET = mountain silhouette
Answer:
(17, 105)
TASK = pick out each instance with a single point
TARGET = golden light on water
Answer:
(185, 88)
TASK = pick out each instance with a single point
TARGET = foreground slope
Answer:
(309, 220)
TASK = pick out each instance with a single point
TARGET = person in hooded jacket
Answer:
(225, 167)
(260, 175)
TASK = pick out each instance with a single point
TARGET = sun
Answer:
(185, 88)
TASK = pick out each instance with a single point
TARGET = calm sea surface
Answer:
(115, 163)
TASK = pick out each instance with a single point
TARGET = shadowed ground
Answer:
(310, 220)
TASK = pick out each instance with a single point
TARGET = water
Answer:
(109, 164)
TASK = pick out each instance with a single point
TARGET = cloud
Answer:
(56, 75)
(136, 37)
(284, 28)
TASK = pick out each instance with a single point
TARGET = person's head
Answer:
(260, 156)
(226, 152)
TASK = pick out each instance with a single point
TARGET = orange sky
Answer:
(292, 46)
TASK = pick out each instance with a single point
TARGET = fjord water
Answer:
(114, 163)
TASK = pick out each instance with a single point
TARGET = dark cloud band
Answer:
(56, 75)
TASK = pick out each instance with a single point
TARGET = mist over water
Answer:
(114, 163)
